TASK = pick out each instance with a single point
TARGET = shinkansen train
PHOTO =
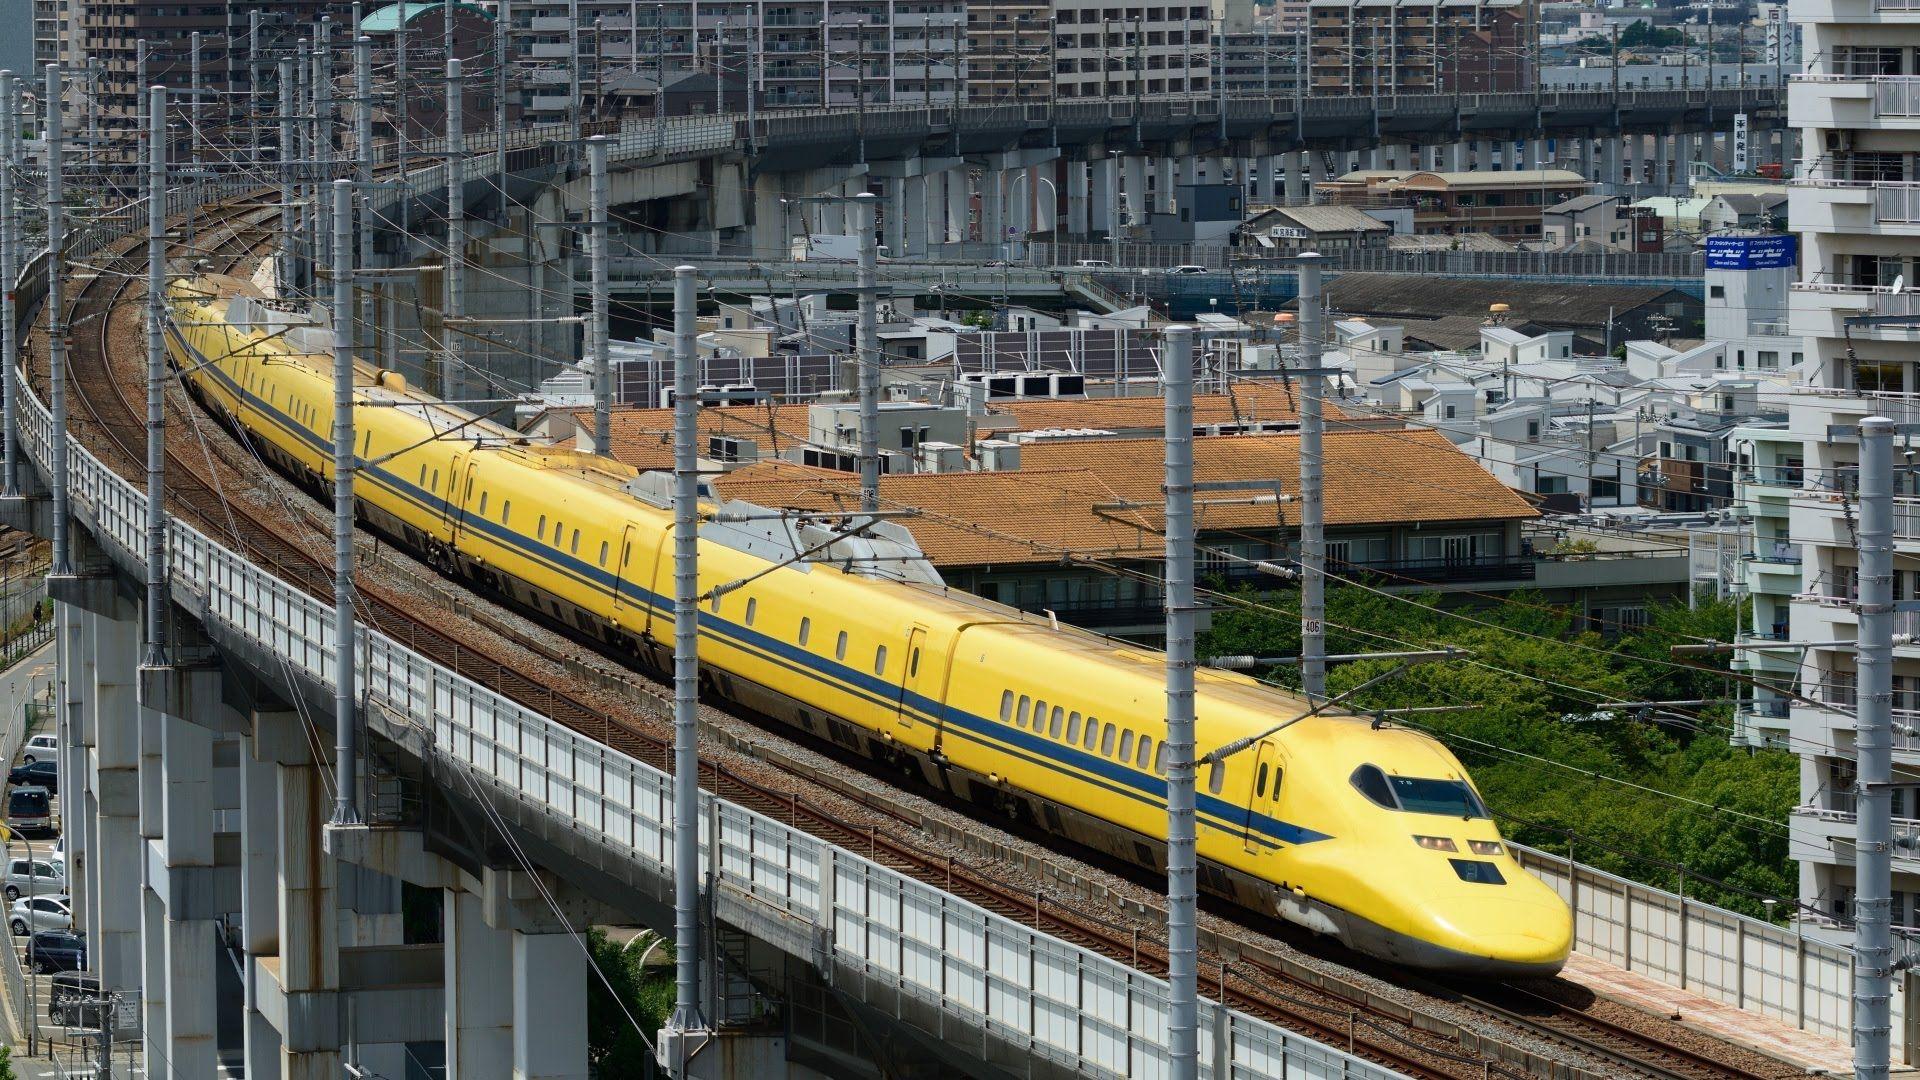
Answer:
(1368, 832)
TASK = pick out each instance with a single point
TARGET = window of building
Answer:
(1717, 292)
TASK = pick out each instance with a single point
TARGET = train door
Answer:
(623, 572)
(462, 494)
(449, 495)
(910, 676)
(1263, 790)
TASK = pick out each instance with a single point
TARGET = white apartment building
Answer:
(1132, 50)
(793, 52)
(1855, 201)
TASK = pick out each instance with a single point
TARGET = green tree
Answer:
(6, 1063)
(626, 1009)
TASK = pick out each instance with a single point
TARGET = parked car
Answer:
(57, 950)
(30, 809)
(44, 774)
(40, 746)
(57, 854)
(34, 877)
(1188, 268)
(68, 995)
(40, 913)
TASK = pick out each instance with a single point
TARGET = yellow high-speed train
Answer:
(1372, 834)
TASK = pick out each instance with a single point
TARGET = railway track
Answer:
(1581, 1029)
(196, 491)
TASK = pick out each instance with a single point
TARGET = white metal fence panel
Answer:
(1744, 962)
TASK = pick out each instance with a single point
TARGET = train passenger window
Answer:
(1160, 759)
(1277, 774)
(753, 603)
(559, 530)
(436, 483)
(1093, 732)
(1106, 740)
(603, 562)
(1260, 782)
(880, 660)
(1039, 713)
(1006, 706)
(626, 556)
(575, 546)
(1126, 745)
(1054, 722)
(366, 445)
(806, 629)
(1216, 776)
(1073, 727)
(840, 647)
(1026, 703)
(913, 663)
(483, 504)
(506, 511)
(1146, 752)
(1372, 783)
(423, 472)
(540, 531)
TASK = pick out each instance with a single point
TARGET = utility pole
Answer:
(454, 379)
(1183, 1002)
(597, 230)
(1873, 964)
(9, 258)
(573, 74)
(1313, 552)
(367, 329)
(686, 1024)
(346, 795)
(193, 100)
(62, 564)
(253, 85)
(867, 353)
(402, 113)
(289, 273)
(303, 163)
(323, 140)
(140, 102)
(157, 522)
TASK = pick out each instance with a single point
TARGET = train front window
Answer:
(1452, 797)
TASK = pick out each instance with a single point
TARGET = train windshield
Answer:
(1418, 795)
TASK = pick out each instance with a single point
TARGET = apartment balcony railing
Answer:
(1770, 709)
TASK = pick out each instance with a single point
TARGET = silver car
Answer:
(40, 913)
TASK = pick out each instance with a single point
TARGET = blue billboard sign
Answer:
(1751, 252)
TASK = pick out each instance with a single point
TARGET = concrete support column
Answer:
(309, 920)
(1662, 170)
(1458, 157)
(1078, 198)
(1630, 160)
(79, 805)
(259, 900)
(893, 233)
(155, 981)
(1263, 172)
(479, 997)
(993, 205)
(118, 864)
(1160, 198)
(913, 216)
(1686, 153)
(1316, 172)
(1610, 160)
(1135, 200)
(1043, 199)
(1296, 179)
(1189, 171)
(549, 1007)
(1103, 186)
(959, 204)
(191, 937)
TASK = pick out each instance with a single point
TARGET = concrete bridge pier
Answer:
(1103, 194)
(113, 782)
(1079, 195)
(959, 205)
(1662, 170)
(1135, 198)
(1294, 183)
(1265, 173)
(1686, 152)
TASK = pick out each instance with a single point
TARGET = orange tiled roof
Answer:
(1045, 511)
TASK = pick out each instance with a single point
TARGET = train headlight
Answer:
(1484, 847)
(1435, 843)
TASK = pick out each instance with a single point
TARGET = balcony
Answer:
(1821, 309)
(1841, 98)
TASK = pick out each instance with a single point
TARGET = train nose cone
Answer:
(1513, 936)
